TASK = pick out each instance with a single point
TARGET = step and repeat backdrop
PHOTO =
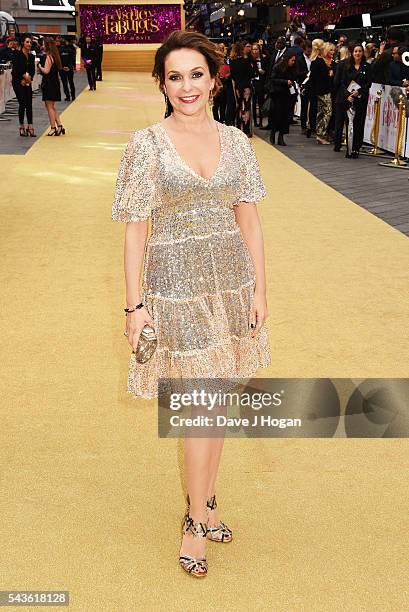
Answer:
(129, 23)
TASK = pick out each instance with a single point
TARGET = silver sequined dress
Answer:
(198, 277)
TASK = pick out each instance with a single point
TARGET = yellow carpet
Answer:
(91, 500)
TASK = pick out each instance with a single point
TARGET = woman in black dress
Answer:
(242, 72)
(22, 76)
(281, 87)
(51, 85)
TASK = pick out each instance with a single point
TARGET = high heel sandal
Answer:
(30, 132)
(221, 533)
(196, 566)
(23, 131)
(53, 132)
(61, 129)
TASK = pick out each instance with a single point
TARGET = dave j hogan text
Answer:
(258, 420)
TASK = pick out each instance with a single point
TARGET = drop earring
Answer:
(169, 109)
(211, 101)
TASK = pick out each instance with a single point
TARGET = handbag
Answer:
(147, 344)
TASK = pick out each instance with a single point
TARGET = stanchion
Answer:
(374, 135)
(397, 162)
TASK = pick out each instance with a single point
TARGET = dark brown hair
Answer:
(52, 49)
(189, 40)
(351, 60)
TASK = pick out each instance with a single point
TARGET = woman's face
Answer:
(247, 49)
(330, 53)
(27, 44)
(187, 81)
(255, 52)
(291, 61)
(357, 54)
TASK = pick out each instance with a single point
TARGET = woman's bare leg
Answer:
(51, 116)
(56, 115)
(216, 451)
(197, 461)
(215, 455)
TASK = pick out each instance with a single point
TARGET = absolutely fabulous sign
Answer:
(124, 23)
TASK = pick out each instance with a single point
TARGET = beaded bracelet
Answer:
(127, 310)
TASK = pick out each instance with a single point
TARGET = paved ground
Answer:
(11, 143)
(382, 191)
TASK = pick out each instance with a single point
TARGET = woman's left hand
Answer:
(259, 312)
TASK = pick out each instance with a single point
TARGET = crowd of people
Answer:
(56, 64)
(330, 81)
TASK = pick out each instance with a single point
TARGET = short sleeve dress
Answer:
(198, 277)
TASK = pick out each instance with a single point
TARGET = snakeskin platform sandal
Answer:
(196, 566)
(221, 533)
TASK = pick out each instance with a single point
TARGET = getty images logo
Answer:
(405, 58)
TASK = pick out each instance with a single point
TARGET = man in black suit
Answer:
(67, 53)
(277, 54)
(303, 69)
(89, 57)
(99, 56)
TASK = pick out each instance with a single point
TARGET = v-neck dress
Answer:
(198, 275)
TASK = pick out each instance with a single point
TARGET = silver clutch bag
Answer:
(146, 344)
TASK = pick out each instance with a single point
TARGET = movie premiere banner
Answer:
(129, 23)
(388, 121)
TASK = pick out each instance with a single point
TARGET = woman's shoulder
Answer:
(141, 144)
(237, 137)
(143, 135)
(232, 130)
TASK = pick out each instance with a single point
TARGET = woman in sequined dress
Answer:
(202, 267)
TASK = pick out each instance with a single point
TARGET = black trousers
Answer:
(312, 112)
(230, 103)
(98, 69)
(219, 106)
(91, 76)
(67, 77)
(258, 100)
(305, 100)
(24, 95)
(359, 123)
(340, 119)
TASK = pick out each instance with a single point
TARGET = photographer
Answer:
(381, 66)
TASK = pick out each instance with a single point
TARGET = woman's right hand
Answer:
(135, 322)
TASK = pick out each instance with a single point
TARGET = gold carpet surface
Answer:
(91, 500)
